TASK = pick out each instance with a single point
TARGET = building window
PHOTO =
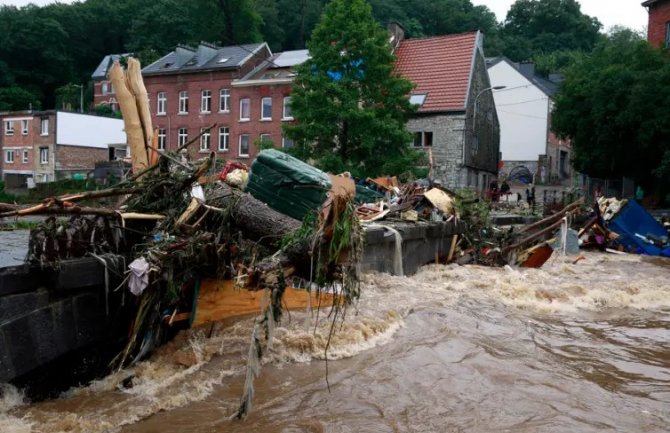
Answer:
(265, 141)
(266, 109)
(44, 127)
(244, 146)
(24, 127)
(162, 138)
(104, 88)
(287, 143)
(9, 127)
(224, 138)
(423, 139)
(206, 101)
(183, 136)
(183, 102)
(287, 114)
(245, 109)
(205, 138)
(9, 156)
(24, 158)
(224, 100)
(44, 155)
(161, 103)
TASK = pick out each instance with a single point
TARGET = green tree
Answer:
(16, 98)
(615, 105)
(544, 26)
(350, 107)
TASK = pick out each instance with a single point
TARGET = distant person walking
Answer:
(530, 196)
(639, 194)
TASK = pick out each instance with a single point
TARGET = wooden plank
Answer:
(220, 300)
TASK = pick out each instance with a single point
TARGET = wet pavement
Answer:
(13, 247)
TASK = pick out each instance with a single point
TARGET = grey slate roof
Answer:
(204, 57)
(100, 72)
(548, 86)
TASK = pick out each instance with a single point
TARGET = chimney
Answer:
(396, 34)
(527, 68)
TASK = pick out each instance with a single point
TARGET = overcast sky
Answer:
(610, 12)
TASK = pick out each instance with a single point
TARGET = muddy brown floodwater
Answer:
(568, 348)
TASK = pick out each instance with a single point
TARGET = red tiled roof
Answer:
(440, 67)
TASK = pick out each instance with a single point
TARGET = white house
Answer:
(524, 109)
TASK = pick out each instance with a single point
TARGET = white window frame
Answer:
(44, 126)
(284, 140)
(263, 114)
(9, 127)
(182, 136)
(205, 139)
(224, 101)
(9, 156)
(161, 103)
(183, 102)
(206, 101)
(287, 105)
(162, 138)
(224, 139)
(244, 101)
(103, 88)
(239, 150)
(24, 156)
(44, 151)
(24, 126)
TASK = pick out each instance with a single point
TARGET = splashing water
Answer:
(564, 348)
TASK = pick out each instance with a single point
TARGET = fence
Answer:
(620, 188)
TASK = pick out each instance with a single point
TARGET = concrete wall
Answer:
(421, 242)
(38, 325)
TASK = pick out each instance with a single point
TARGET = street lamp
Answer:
(474, 117)
(81, 96)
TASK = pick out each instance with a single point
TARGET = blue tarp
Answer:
(634, 224)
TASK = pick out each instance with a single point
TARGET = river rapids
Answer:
(567, 348)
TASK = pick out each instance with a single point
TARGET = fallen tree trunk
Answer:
(258, 221)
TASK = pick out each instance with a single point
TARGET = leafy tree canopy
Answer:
(350, 107)
(535, 27)
(16, 99)
(614, 104)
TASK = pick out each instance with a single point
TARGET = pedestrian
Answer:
(504, 190)
(530, 196)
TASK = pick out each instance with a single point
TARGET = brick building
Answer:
(103, 91)
(659, 22)
(245, 91)
(238, 88)
(43, 146)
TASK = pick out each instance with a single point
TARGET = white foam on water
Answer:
(10, 399)
(191, 367)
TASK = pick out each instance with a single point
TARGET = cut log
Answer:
(131, 118)
(136, 85)
(258, 221)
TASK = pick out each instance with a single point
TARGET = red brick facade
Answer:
(70, 159)
(21, 143)
(659, 23)
(103, 94)
(239, 129)
(29, 150)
